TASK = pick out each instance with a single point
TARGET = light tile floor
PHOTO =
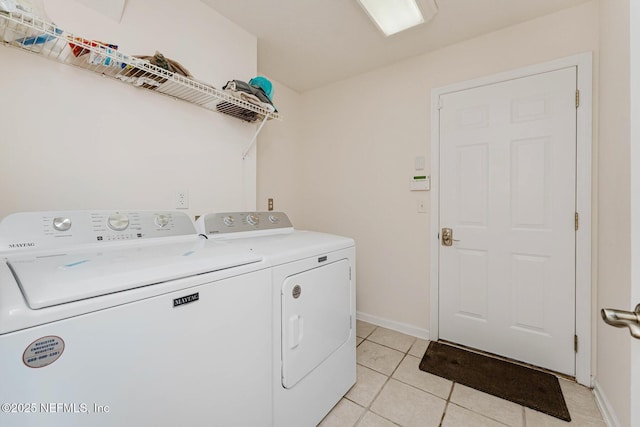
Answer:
(392, 391)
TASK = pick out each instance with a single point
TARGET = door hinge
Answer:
(349, 273)
(575, 343)
(577, 98)
(577, 221)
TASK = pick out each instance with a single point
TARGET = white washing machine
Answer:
(130, 319)
(314, 353)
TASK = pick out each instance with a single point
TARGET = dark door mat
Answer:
(516, 383)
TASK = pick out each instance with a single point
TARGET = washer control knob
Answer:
(118, 222)
(61, 223)
(161, 220)
(274, 219)
(228, 220)
(253, 219)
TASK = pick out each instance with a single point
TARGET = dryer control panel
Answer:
(59, 229)
(234, 222)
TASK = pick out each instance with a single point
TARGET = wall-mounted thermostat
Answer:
(420, 183)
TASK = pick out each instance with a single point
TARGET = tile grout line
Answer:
(389, 377)
(447, 400)
(368, 407)
(396, 368)
(446, 403)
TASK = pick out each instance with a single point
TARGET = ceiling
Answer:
(306, 44)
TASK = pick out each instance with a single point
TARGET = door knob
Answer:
(447, 237)
(621, 318)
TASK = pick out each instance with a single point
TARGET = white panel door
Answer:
(508, 177)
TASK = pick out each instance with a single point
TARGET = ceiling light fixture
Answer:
(393, 16)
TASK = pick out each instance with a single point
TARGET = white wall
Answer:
(359, 140)
(279, 152)
(614, 266)
(74, 140)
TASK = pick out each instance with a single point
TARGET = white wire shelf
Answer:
(47, 40)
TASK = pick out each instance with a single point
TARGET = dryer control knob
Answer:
(274, 219)
(118, 222)
(253, 219)
(228, 220)
(161, 220)
(61, 223)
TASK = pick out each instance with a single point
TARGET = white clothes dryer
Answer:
(313, 291)
(130, 319)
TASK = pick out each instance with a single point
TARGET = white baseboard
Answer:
(405, 328)
(608, 414)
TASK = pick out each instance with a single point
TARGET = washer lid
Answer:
(59, 278)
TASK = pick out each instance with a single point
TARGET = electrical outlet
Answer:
(182, 199)
(270, 204)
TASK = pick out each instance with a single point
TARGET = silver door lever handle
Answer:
(447, 237)
(621, 318)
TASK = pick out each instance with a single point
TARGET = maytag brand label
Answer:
(22, 245)
(186, 299)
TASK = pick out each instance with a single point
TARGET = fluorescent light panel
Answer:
(393, 16)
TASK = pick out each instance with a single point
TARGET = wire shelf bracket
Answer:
(254, 139)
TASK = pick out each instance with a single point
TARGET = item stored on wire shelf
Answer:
(35, 35)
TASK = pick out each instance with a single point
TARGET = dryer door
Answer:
(315, 318)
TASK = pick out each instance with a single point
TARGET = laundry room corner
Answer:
(77, 140)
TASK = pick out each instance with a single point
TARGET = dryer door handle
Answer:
(295, 330)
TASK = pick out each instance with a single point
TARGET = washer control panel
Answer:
(44, 230)
(234, 222)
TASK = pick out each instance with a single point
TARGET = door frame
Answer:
(634, 135)
(583, 300)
